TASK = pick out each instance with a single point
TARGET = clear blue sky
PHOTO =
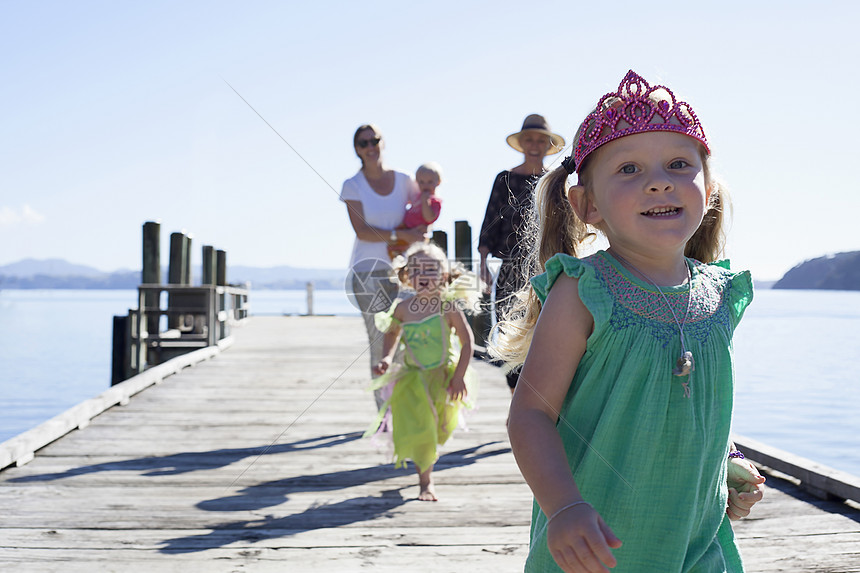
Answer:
(116, 113)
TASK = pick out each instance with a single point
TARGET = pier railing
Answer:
(195, 316)
(175, 318)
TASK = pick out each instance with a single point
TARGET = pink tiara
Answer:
(632, 110)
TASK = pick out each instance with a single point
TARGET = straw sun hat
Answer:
(535, 122)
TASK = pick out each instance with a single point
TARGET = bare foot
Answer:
(425, 482)
(427, 494)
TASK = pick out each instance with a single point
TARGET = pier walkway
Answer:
(252, 461)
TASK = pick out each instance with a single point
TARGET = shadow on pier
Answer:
(347, 512)
(176, 464)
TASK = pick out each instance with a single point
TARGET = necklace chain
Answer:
(684, 364)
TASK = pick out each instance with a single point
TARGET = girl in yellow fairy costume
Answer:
(435, 381)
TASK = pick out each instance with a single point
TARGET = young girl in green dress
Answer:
(620, 420)
(435, 381)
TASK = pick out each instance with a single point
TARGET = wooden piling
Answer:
(186, 260)
(480, 320)
(151, 273)
(221, 268)
(196, 317)
(176, 274)
(463, 243)
(120, 350)
(209, 264)
(221, 280)
(176, 264)
(440, 238)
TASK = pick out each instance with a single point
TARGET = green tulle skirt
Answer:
(421, 414)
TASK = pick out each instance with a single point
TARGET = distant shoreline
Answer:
(61, 274)
(301, 287)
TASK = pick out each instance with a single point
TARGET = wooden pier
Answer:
(252, 460)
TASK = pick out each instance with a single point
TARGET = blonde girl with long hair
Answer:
(620, 419)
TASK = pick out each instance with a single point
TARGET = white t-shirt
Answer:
(380, 211)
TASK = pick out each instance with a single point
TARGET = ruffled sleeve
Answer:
(383, 320)
(466, 289)
(740, 292)
(591, 290)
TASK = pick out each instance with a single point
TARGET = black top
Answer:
(510, 200)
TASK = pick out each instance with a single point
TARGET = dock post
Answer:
(310, 289)
(441, 240)
(151, 273)
(121, 349)
(175, 275)
(176, 264)
(209, 264)
(463, 243)
(480, 320)
(186, 260)
(220, 280)
(221, 268)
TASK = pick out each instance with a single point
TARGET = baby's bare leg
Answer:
(425, 482)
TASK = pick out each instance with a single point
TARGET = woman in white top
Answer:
(376, 198)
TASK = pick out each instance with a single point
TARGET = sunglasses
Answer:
(362, 143)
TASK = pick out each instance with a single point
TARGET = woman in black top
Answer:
(510, 200)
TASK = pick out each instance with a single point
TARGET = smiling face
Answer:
(368, 145)
(534, 144)
(648, 192)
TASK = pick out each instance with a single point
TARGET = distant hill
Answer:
(61, 274)
(48, 267)
(117, 280)
(284, 277)
(832, 272)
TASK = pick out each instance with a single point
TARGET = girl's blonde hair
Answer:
(553, 227)
(431, 250)
(462, 285)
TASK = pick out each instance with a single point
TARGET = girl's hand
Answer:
(457, 388)
(382, 366)
(580, 541)
(745, 488)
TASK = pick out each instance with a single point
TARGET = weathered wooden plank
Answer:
(375, 556)
(153, 539)
(312, 506)
(485, 558)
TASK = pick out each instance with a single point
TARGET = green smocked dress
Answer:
(649, 449)
(422, 414)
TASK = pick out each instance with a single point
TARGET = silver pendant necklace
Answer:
(685, 364)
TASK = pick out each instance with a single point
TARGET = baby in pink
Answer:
(426, 209)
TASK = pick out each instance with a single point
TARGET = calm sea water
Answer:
(798, 361)
(55, 345)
